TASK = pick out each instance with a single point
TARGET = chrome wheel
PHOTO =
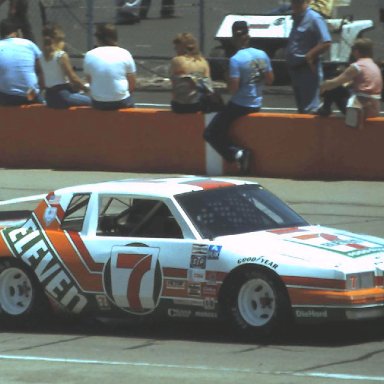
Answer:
(256, 302)
(16, 291)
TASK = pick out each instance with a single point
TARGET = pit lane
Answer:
(85, 351)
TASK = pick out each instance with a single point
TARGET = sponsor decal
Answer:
(348, 246)
(30, 244)
(196, 275)
(207, 315)
(209, 303)
(214, 252)
(198, 261)
(258, 260)
(194, 290)
(189, 302)
(49, 215)
(211, 277)
(311, 313)
(175, 284)
(184, 313)
(209, 290)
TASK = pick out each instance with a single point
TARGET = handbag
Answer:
(354, 115)
(212, 102)
(210, 99)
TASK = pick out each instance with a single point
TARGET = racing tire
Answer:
(22, 300)
(258, 305)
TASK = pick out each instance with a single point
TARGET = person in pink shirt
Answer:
(362, 78)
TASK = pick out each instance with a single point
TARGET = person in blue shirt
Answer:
(21, 76)
(249, 70)
(308, 40)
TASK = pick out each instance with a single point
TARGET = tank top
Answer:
(53, 72)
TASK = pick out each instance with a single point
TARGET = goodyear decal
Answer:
(30, 245)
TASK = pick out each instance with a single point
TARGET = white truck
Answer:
(270, 33)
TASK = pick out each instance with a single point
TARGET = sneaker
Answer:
(244, 161)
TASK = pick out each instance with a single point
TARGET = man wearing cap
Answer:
(249, 70)
(308, 40)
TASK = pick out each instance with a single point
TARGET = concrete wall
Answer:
(150, 140)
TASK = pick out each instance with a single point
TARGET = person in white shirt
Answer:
(61, 81)
(110, 71)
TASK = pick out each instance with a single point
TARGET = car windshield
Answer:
(238, 209)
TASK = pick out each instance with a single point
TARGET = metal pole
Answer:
(202, 25)
(90, 21)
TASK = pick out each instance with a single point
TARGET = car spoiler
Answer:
(15, 217)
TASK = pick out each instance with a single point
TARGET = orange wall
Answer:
(150, 140)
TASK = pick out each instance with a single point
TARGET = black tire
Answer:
(22, 301)
(257, 305)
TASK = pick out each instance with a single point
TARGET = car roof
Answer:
(161, 187)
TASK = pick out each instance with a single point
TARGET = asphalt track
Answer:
(89, 351)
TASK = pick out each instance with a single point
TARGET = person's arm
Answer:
(312, 55)
(40, 74)
(345, 77)
(66, 65)
(269, 77)
(233, 85)
(131, 77)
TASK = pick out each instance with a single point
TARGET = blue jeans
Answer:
(306, 88)
(113, 105)
(216, 133)
(62, 96)
(16, 100)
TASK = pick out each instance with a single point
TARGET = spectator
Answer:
(189, 72)
(61, 81)
(365, 78)
(18, 13)
(167, 8)
(309, 38)
(249, 69)
(110, 71)
(20, 69)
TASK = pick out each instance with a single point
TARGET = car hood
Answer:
(320, 246)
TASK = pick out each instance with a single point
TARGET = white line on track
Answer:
(330, 376)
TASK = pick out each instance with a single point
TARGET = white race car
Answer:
(185, 247)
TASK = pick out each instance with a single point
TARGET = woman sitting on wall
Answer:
(61, 81)
(190, 75)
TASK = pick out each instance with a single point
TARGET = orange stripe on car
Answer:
(314, 282)
(85, 255)
(300, 296)
(88, 281)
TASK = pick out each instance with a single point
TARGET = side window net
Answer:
(136, 218)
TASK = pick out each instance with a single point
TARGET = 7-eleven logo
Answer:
(135, 279)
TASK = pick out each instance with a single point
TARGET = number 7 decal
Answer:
(133, 280)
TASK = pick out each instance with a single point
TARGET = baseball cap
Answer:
(239, 28)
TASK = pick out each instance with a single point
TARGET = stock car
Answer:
(185, 247)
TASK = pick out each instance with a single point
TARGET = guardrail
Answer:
(154, 140)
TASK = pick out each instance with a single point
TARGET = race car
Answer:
(184, 247)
